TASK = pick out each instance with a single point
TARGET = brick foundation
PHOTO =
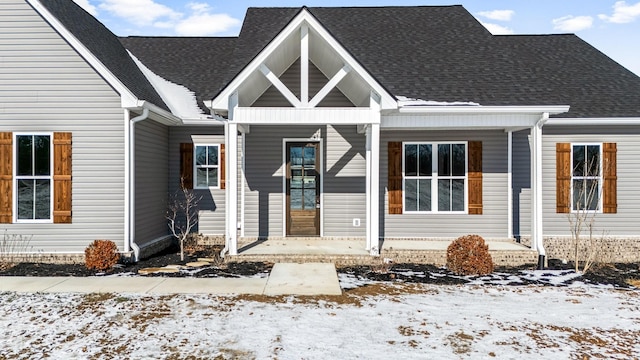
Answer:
(607, 249)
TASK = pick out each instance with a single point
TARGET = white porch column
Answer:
(536, 190)
(231, 180)
(373, 180)
(375, 190)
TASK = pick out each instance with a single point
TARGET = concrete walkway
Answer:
(284, 279)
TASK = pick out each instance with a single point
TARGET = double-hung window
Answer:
(33, 177)
(206, 167)
(586, 177)
(434, 177)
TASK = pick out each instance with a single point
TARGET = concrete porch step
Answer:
(350, 252)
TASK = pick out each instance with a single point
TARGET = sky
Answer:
(613, 27)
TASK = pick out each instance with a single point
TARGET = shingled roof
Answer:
(439, 53)
(104, 45)
(198, 63)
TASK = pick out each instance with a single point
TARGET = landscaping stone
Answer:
(198, 264)
(162, 270)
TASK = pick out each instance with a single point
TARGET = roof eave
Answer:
(469, 109)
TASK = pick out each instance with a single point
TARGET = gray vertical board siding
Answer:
(152, 175)
(212, 205)
(45, 86)
(343, 165)
(522, 183)
(491, 224)
(291, 78)
(627, 138)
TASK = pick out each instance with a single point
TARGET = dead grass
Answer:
(634, 282)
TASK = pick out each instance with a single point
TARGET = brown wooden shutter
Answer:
(563, 178)
(394, 185)
(6, 177)
(223, 167)
(186, 165)
(62, 199)
(475, 177)
(610, 179)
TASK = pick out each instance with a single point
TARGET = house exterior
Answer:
(370, 123)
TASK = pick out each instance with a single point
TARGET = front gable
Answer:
(306, 42)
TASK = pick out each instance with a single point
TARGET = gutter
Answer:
(480, 109)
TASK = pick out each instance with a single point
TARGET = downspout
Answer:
(132, 181)
(537, 227)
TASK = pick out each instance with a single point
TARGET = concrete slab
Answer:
(303, 279)
(28, 284)
(92, 284)
(216, 286)
(306, 247)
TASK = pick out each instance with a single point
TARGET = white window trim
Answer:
(434, 177)
(600, 178)
(195, 167)
(15, 179)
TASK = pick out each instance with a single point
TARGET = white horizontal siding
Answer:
(625, 221)
(46, 86)
(491, 224)
(152, 176)
(212, 205)
(343, 176)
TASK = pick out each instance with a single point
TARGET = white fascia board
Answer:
(127, 99)
(593, 121)
(220, 102)
(467, 109)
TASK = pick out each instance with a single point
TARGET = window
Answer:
(586, 177)
(434, 177)
(33, 180)
(206, 172)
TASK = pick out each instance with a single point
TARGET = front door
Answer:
(303, 189)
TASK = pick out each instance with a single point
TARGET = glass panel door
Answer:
(303, 189)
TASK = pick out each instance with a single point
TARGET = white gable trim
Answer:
(220, 102)
(128, 100)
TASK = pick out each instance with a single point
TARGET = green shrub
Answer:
(101, 255)
(469, 255)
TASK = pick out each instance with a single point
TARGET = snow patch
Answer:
(180, 100)
(407, 101)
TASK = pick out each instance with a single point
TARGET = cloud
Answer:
(205, 24)
(496, 29)
(572, 23)
(199, 19)
(139, 12)
(622, 13)
(498, 15)
(87, 6)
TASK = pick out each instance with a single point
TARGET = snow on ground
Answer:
(373, 321)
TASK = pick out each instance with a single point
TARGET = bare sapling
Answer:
(182, 214)
(587, 195)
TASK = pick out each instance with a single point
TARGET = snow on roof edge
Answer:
(407, 101)
(180, 100)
